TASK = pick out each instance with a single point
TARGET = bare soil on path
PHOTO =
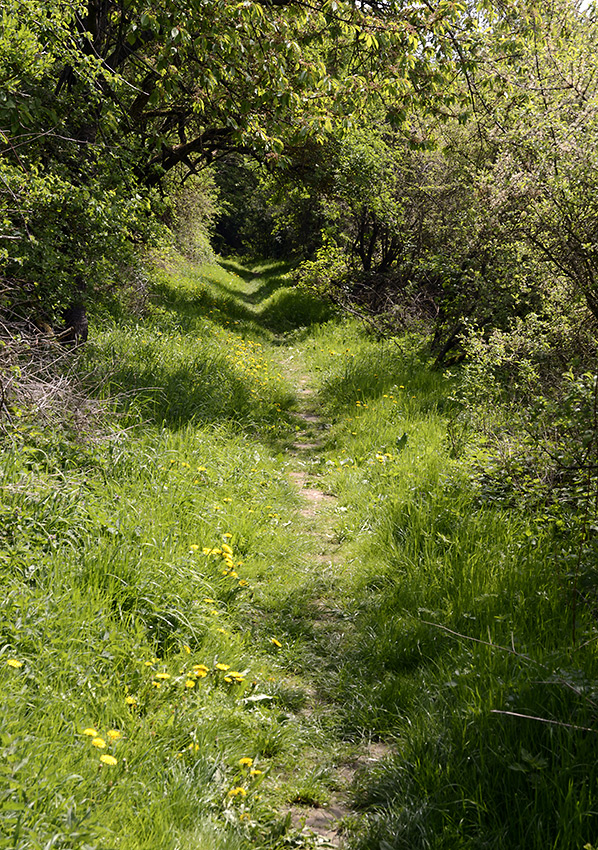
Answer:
(323, 823)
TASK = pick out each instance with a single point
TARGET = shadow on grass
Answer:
(387, 371)
(205, 390)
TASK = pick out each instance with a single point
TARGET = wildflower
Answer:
(194, 547)
(227, 499)
(106, 759)
(244, 816)
(189, 683)
(226, 549)
(220, 666)
(201, 469)
(235, 792)
(148, 663)
(276, 642)
(157, 684)
(114, 735)
(209, 601)
(91, 732)
(245, 762)
(187, 649)
(162, 675)
(100, 743)
(243, 583)
(200, 669)
(130, 701)
(13, 662)
(227, 534)
(255, 772)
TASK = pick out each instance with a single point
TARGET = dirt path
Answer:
(323, 823)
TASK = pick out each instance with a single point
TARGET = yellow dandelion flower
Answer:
(226, 549)
(187, 648)
(220, 666)
(148, 663)
(91, 732)
(200, 668)
(162, 676)
(100, 743)
(157, 684)
(209, 601)
(201, 469)
(276, 642)
(130, 701)
(106, 759)
(228, 499)
(235, 792)
(222, 631)
(227, 534)
(244, 816)
(245, 762)
(114, 735)
(233, 574)
(14, 662)
(255, 772)
(194, 547)
(243, 583)
(206, 550)
(189, 683)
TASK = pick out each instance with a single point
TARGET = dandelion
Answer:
(110, 760)
(220, 666)
(200, 668)
(100, 743)
(235, 792)
(91, 732)
(189, 683)
(201, 469)
(162, 676)
(130, 701)
(243, 583)
(227, 499)
(255, 772)
(209, 601)
(157, 684)
(114, 735)
(187, 648)
(226, 549)
(245, 762)
(14, 662)
(276, 642)
(194, 547)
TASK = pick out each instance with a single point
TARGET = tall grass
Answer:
(162, 592)
(460, 652)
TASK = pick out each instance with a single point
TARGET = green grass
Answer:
(442, 612)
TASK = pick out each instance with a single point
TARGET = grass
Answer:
(229, 686)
